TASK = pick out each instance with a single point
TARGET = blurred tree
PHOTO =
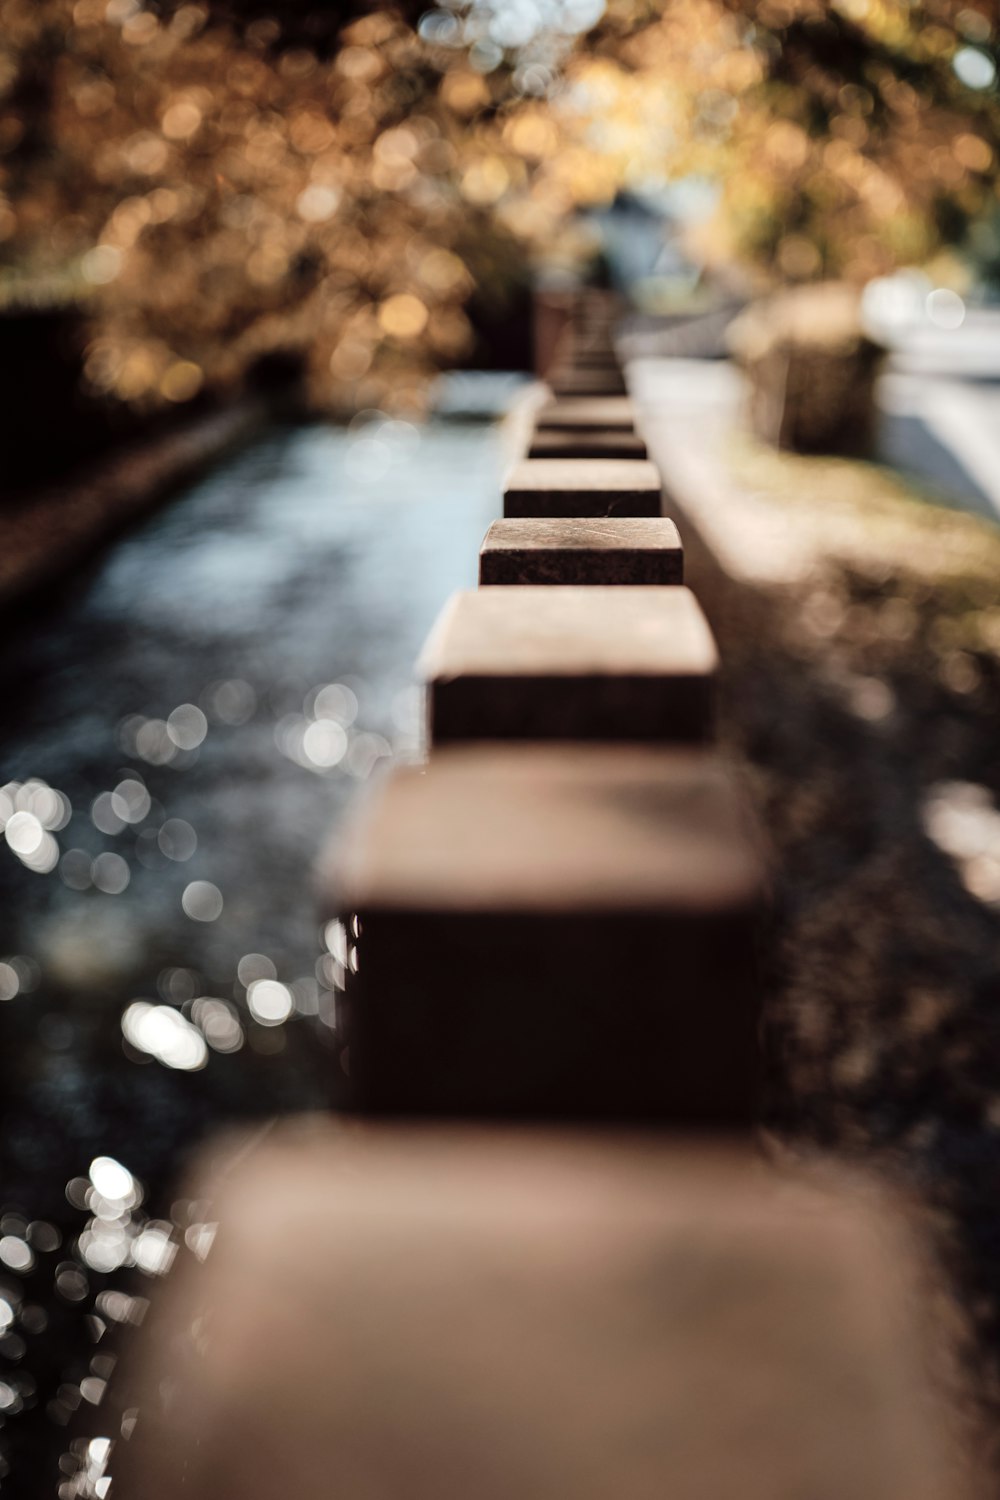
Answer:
(218, 195)
(872, 137)
(846, 136)
(222, 185)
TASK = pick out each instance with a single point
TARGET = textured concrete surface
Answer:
(600, 663)
(583, 487)
(462, 1313)
(621, 550)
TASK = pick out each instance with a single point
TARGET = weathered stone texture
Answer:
(581, 551)
(583, 487)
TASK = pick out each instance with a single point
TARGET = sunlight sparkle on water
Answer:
(218, 1023)
(112, 1180)
(177, 839)
(24, 833)
(202, 901)
(231, 701)
(130, 801)
(323, 738)
(110, 873)
(187, 726)
(163, 1033)
(154, 1250)
(270, 1003)
(15, 1253)
(255, 966)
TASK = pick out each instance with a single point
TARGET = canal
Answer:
(182, 729)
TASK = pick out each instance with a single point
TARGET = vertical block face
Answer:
(582, 487)
(554, 933)
(569, 381)
(586, 442)
(597, 356)
(445, 1314)
(579, 551)
(574, 663)
(609, 414)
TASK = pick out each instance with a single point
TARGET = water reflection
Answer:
(181, 734)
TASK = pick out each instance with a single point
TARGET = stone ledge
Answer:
(486, 1314)
(601, 663)
(578, 550)
(597, 487)
(586, 443)
(553, 933)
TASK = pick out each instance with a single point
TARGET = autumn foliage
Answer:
(217, 192)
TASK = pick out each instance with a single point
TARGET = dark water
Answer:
(205, 705)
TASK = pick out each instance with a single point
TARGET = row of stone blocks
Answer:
(551, 920)
(574, 861)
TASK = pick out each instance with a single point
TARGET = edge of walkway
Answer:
(46, 535)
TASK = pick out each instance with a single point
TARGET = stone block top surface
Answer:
(610, 413)
(580, 549)
(583, 532)
(454, 1312)
(583, 486)
(595, 474)
(535, 631)
(537, 828)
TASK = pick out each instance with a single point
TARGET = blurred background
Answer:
(269, 278)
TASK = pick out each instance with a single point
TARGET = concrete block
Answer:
(596, 352)
(570, 381)
(604, 413)
(553, 932)
(583, 487)
(581, 551)
(435, 1314)
(590, 362)
(589, 442)
(574, 663)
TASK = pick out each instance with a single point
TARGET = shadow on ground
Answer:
(883, 1024)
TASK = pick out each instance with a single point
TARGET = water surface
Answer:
(205, 704)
